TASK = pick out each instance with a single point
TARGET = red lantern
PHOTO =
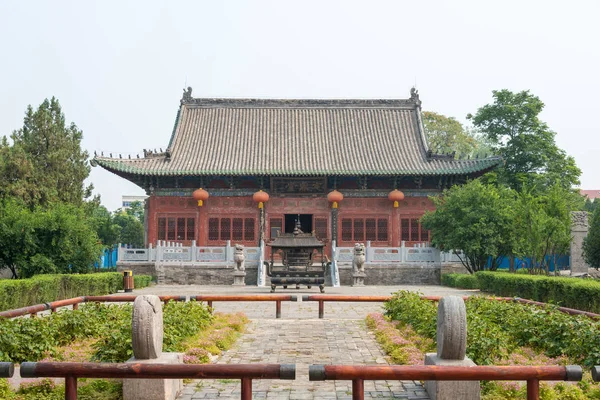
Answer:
(200, 195)
(260, 197)
(335, 197)
(396, 196)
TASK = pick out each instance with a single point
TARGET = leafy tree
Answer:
(544, 220)
(447, 135)
(132, 230)
(107, 230)
(136, 209)
(526, 143)
(45, 163)
(65, 241)
(590, 206)
(477, 219)
(591, 244)
(17, 238)
(58, 239)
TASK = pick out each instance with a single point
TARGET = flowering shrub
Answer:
(401, 343)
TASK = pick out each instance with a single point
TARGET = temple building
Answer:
(241, 170)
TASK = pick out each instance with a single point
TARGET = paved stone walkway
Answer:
(300, 338)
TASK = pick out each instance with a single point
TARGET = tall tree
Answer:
(526, 143)
(477, 219)
(447, 135)
(54, 165)
(591, 244)
(545, 221)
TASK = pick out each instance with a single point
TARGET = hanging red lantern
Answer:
(200, 195)
(335, 197)
(260, 197)
(396, 196)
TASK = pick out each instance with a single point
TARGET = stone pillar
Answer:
(147, 338)
(451, 350)
(579, 230)
(358, 265)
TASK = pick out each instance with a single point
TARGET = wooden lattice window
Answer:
(382, 230)
(346, 230)
(191, 229)
(405, 229)
(249, 224)
(176, 228)
(321, 228)
(213, 229)
(371, 229)
(424, 234)
(237, 231)
(361, 229)
(180, 228)
(171, 224)
(412, 231)
(234, 229)
(162, 229)
(225, 228)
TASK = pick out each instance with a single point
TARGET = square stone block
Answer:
(154, 389)
(451, 390)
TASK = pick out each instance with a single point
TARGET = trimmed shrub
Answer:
(462, 281)
(46, 288)
(581, 294)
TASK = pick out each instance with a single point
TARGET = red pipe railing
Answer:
(277, 298)
(322, 298)
(75, 301)
(129, 298)
(359, 373)
(71, 371)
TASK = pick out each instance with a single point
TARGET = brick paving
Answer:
(300, 338)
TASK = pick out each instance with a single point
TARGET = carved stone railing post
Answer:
(579, 230)
(451, 350)
(147, 339)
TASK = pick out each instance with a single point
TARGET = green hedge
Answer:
(463, 281)
(46, 288)
(581, 294)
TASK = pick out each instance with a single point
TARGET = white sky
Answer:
(119, 67)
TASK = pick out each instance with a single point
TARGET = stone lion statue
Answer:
(238, 257)
(358, 261)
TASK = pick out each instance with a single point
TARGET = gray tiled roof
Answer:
(296, 137)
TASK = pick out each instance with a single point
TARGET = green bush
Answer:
(46, 288)
(497, 328)
(581, 294)
(462, 281)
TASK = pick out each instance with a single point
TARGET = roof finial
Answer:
(187, 95)
(414, 96)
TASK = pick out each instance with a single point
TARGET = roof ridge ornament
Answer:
(414, 96)
(187, 96)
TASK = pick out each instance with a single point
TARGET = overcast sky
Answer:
(118, 67)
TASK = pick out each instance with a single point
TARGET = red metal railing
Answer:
(75, 301)
(322, 298)
(277, 298)
(359, 373)
(71, 371)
